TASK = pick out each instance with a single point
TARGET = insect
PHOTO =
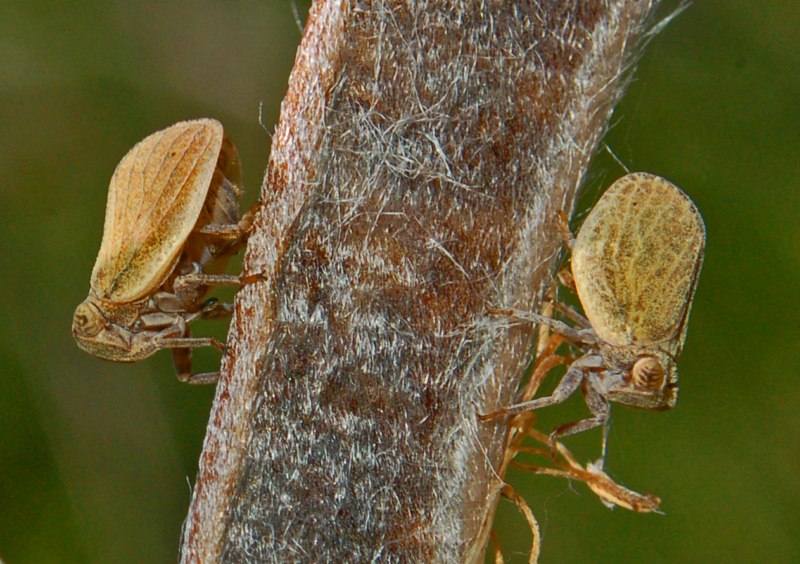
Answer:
(635, 266)
(172, 222)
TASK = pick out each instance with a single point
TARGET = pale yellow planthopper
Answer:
(172, 222)
(635, 265)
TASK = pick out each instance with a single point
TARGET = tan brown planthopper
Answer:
(172, 222)
(635, 265)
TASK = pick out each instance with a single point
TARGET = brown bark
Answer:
(422, 152)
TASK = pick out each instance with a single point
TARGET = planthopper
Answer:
(172, 222)
(635, 265)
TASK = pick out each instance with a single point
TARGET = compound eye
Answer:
(87, 321)
(647, 373)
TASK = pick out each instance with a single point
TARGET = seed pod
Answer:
(635, 265)
(172, 222)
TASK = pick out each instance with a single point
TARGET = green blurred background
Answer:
(96, 458)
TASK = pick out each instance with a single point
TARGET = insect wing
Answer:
(636, 261)
(155, 197)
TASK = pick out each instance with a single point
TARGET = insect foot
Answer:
(172, 223)
(635, 265)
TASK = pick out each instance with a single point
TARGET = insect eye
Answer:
(647, 373)
(86, 321)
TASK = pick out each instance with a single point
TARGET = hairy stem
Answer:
(423, 152)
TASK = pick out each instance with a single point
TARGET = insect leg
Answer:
(544, 339)
(168, 302)
(182, 357)
(172, 323)
(237, 233)
(186, 282)
(170, 307)
(600, 409)
(536, 542)
(579, 336)
(173, 334)
(212, 308)
(182, 360)
(189, 342)
(543, 365)
(610, 493)
(569, 383)
(573, 315)
(224, 232)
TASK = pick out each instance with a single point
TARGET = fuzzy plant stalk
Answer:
(423, 151)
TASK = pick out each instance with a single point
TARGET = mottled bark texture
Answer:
(422, 152)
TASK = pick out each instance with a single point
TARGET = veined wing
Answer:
(636, 262)
(154, 200)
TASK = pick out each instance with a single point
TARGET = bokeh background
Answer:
(96, 459)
